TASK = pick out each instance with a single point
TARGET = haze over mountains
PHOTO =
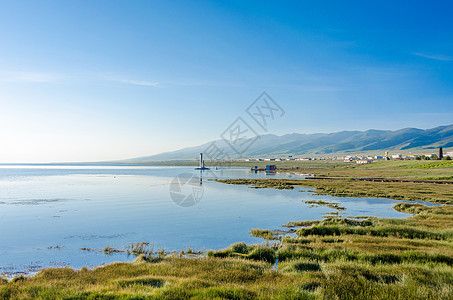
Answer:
(343, 142)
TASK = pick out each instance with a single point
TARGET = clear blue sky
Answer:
(101, 80)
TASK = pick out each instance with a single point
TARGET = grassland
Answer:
(346, 186)
(332, 258)
(410, 191)
(403, 169)
(436, 193)
(371, 258)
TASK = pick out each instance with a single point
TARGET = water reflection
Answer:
(92, 207)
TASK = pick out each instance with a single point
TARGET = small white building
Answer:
(363, 162)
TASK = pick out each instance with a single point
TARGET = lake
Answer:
(49, 212)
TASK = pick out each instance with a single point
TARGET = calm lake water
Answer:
(76, 206)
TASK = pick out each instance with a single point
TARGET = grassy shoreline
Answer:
(410, 191)
(332, 258)
(403, 169)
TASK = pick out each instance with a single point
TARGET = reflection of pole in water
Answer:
(198, 185)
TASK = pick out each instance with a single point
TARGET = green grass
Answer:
(301, 223)
(381, 231)
(437, 193)
(435, 164)
(324, 203)
(170, 278)
(259, 184)
(264, 233)
(110, 250)
(254, 252)
(140, 248)
(438, 178)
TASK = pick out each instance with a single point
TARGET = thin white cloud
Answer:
(203, 82)
(32, 77)
(139, 82)
(130, 81)
(43, 77)
(435, 57)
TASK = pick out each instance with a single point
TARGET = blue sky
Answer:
(102, 80)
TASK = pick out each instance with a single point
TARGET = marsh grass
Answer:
(142, 281)
(301, 223)
(305, 271)
(292, 240)
(170, 278)
(87, 249)
(381, 231)
(306, 266)
(140, 248)
(265, 234)
(332, 240)
(55, 247)
(375, 258)
(332, 205)
(258, 183)
(110, 250)
(263, 254)
(410, 191)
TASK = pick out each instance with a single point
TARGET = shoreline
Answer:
(336, 257)
(253, 183)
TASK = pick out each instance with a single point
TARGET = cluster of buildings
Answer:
(361, 159)
(284, 158)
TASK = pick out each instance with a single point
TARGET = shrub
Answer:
(264, 233)
(220, 253)
(239, 248)
(263, 254)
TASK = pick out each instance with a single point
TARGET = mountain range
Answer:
(325, 144)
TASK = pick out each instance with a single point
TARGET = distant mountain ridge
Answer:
(343, 142)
